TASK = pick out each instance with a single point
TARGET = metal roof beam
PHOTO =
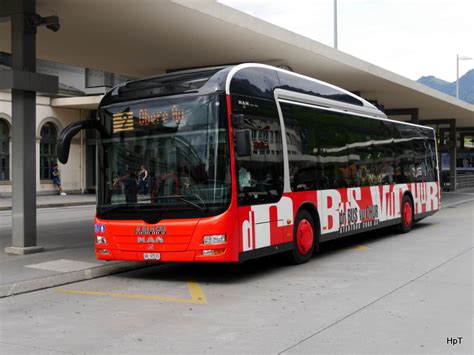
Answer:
(412, 112)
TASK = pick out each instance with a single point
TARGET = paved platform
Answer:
(53, 201)
(379, 292)
(66, 234)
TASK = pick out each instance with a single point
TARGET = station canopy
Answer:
(144, 38)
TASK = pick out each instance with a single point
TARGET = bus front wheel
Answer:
(407, 215)
(304, 238)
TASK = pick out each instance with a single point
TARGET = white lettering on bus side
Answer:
(353, 196)
(432, 200)
(383, 197)
(339, 213)
(328, 207)
(248, 228)
(398, 191)
(418, 191)
(256, 230)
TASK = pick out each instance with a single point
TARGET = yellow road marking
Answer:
(197, 295)
(361, 247)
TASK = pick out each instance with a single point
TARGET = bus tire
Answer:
(406, 211)
(304, 239)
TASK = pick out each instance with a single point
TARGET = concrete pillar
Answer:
(24, 172)
(23, 40)
(24, 82)
(452, 155)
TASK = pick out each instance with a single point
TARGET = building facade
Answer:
(49, 123)
(78, 176)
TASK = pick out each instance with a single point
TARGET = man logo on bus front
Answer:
(151, 239)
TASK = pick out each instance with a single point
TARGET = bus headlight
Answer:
(100, 240)
(214, 239)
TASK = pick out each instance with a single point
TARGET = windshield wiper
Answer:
(133, 205)
(181, 198)
(191, 203)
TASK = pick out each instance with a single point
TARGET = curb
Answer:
(69, 277)
(52, 205)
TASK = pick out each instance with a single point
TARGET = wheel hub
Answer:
(304, 236)
(407, 214)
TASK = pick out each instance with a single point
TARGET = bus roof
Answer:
(250, 79)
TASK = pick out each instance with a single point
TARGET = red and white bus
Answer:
(227, 164)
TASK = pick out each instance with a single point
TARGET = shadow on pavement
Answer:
(229, 273)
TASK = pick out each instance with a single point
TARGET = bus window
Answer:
(169, 147)
(360, 135)
(339, 150)
(260, 175)
(332, 149)
(254, 82)
(320, 159)
(301, 141)
(420, 161)
(313, 88)
(405, 168)
(430, 158)
(383, 154)
(383, 164)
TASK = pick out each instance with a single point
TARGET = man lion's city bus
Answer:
(227, 164)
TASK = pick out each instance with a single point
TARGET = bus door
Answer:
(259, 173)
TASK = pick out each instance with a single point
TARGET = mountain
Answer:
(466, 86)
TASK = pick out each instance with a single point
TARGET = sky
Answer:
(412, 38)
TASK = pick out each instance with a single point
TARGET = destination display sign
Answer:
(148, 117)
(122, 121)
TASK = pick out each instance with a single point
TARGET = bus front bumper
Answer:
(199, 240)
(179, 256)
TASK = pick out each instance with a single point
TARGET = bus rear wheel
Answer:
(304, 238)
(407, 215)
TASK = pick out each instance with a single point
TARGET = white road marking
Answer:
(63, 265)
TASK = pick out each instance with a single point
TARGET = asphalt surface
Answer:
(378, 292)
(45, 201)
(67, 237)
(65, 233)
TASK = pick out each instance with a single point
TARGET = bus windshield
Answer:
(164, 158)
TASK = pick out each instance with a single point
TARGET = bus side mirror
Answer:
(64, 140)
(243, 142)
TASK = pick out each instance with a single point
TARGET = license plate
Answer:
(151, 256)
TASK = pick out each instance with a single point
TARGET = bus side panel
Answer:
(345, 211)
(426, 197)
(341, 212)
(265, 225)
(221, 224)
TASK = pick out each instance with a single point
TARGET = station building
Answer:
(187, 34)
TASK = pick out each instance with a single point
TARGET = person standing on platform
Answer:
(56, 179)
